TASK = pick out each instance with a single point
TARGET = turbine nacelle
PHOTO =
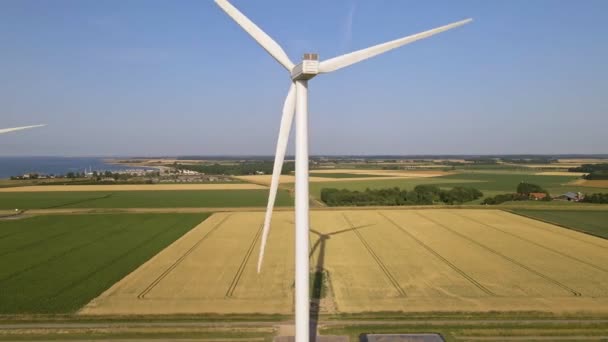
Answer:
(306, 70)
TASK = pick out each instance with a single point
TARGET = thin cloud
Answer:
(348, 27)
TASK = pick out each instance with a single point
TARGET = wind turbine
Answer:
(297, 102)
(6, 130)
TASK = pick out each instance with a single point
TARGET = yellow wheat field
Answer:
(376, 260)
(365, 175)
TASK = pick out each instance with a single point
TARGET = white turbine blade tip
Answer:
(348, 59)
(263, 39)
(6, 130)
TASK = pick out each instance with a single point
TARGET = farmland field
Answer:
(56, 264)
(595, 222)
(345, 175)
(139, 199)
(490, 183)
(375, 260)
(133, 187)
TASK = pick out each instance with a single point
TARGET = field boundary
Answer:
(239, 272)
(515, 262)
(556, 224)
(440, 257)
(535, 243)
(156, 281)
(379, 261)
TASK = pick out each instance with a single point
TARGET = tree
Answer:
(527, 188)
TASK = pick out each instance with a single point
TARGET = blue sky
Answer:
(179, 77)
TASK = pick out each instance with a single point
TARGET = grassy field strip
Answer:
(346, 175)
(512, 280)
(595, 223)
(132, 187)
(140, 199)
(526, 330)
(577, 277)
(129, 334)
(71, 259)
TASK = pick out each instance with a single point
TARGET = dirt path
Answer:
(278, 324)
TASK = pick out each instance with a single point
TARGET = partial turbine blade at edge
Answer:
(6, 130)
(289, 109)
(340, 62)
(271, 46)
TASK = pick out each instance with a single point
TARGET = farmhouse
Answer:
(537, 195)
(571, 196)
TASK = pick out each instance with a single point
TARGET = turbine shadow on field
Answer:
(320, 280)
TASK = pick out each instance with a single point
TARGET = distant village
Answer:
(152, 176)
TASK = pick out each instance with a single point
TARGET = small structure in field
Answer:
(571, 196)
(537, 196)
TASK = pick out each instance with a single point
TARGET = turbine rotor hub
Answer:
(308, 69)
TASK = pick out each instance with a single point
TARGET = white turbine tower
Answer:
(6, 130)
(297, 102)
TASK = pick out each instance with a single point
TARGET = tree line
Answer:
(596, 198)
(594, 171)
(524, 191)
(421, 195)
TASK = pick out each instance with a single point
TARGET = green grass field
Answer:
(389, 182)
(485, 331)
(344, 175)
(140, 199)
(490, 183)
(56, 264)
(592, 222)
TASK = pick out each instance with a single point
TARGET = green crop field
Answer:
(344, 175)
(140, 199)
(490, 183)
(592, 222)
(508, 182)
(56, 264)
(389, 182)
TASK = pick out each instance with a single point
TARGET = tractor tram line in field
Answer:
(568, 256)
(163, 275)
(391, 278)
(111, 233)
(493, 251)
(113, 261)
(37, 242)
(241, 269)
(439, 256)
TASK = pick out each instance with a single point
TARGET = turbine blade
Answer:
(272, 47)
(6, 130)
(289, 109)
(340, 62)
